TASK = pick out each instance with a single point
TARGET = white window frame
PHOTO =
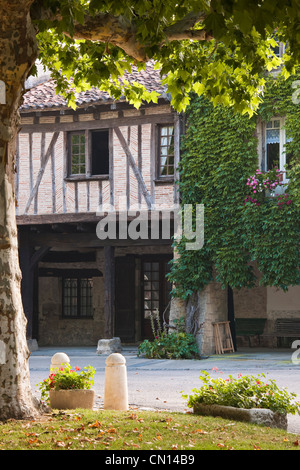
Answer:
(282, 149)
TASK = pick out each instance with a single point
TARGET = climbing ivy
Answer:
(219, 162)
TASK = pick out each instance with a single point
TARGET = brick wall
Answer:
(84, 196)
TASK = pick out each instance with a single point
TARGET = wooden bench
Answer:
(287, 327)
(250, 327)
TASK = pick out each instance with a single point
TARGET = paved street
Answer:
(157, 384)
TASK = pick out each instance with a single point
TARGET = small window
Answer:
(278, 149)
(279, 49)
(166, 151)
(77, 298)
(95, 161)
(77, 153)
(273, 144)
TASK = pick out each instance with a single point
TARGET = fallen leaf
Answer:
(95, 425)
(60, 444)
(200, 431)
(111, 430)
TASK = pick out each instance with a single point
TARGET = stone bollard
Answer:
(59, 360)
(115, 386)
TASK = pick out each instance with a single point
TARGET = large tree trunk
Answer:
(19, 51)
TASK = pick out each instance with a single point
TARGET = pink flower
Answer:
(77, 368)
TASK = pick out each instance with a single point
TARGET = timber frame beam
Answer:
(44, 161)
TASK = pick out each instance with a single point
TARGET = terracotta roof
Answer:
(43, 96)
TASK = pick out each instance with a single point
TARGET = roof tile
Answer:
(43, 96)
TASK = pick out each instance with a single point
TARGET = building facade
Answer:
(94, 189)
(96, 198)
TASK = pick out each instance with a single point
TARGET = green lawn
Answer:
(139, 430)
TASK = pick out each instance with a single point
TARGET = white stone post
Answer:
(115, 386)
(59, 360)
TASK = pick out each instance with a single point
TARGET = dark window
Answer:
(273, 144)
(166, 150)
(77, 298)
(100, 153)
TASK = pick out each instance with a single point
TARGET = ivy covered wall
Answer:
(242, 225)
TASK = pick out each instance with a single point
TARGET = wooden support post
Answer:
(28, 261)
(109, 288)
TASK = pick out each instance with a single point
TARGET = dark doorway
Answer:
(155, 291)
(125, 298)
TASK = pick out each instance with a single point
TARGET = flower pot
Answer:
(261, 416)
(71, 399)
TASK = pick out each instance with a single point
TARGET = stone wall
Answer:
(202, 310)
(269, 303)
(57, 331)
(213, 308)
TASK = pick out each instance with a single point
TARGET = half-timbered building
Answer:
(104, 162)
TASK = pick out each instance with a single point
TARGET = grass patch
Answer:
(139, 430)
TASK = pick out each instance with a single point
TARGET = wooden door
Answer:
(155, 292)
(125, 299)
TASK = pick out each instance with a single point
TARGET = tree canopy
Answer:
(220, 49)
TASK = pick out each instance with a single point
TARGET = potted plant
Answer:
(246, 398)
(69, 388)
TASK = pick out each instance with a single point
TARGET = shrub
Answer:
(175, 345)
(243, 392)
